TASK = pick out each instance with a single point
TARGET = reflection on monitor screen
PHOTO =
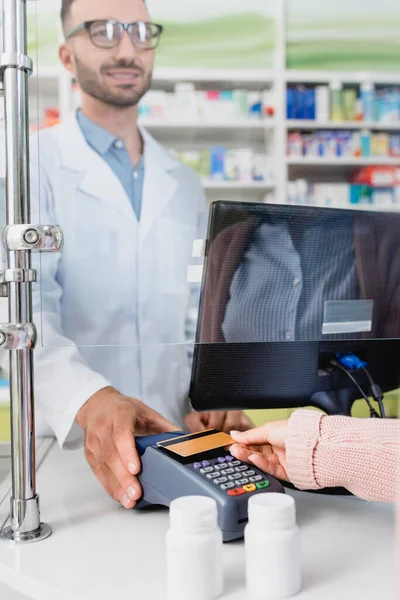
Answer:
(299, 275)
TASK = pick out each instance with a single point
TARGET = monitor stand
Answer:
(337, 402)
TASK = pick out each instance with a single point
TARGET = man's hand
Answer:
(222, 421)
(265, 447)
(110, 421)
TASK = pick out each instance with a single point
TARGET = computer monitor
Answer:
(285, 290)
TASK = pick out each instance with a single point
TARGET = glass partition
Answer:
(119, 304)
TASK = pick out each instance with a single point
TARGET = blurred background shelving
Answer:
(234, 120)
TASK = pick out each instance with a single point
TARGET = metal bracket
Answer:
(43, 238)
(17, 276)
(14, 336)
(15, 61)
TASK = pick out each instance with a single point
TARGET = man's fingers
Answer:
(236, 420)
(109, 481)
(120, 455)
(258, 436)
(232, 421)
(155, 423)
(112, 459)
(194, 422)
(123, 436)
(245, 423)
(106, 478)
(217, 420)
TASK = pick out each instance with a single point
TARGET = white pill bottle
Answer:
(272, 547)
(194, 550)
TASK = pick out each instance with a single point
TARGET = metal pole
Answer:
(25, 525)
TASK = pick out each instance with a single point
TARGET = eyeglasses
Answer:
(108, 34)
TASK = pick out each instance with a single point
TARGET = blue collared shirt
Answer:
(113, 151)
(279, 290)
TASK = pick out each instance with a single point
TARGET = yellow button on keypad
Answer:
(249, 488)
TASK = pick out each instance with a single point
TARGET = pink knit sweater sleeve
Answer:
(332, 451)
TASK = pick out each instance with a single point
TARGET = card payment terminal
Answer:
(181, 464)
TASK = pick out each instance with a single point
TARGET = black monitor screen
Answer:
(287, 288)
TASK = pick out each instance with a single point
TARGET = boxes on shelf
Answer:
(217, 164)
(367, 97)
(343, 195)
(226, 164)
(343, 144)
(186, 104)
(384, 176)
(198, 160)
(377, 197)
(360, 194)
(336, 96)
(155, 105)
(322, 108)
(380, 184)
(339, 103)
(301, 103)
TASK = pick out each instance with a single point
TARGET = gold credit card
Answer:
(196, 443)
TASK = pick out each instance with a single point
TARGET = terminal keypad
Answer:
(232, 476)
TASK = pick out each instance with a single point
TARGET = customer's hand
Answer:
(110, 421)
(265, 447)
(222, 421)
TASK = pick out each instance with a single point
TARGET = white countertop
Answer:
(100, 551)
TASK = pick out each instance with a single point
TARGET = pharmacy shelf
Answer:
(305, 124)
(160, 75)
(355, 77)
(269, 137)
(256, 186)
(340, 162)
(237, 124)
(251, 76)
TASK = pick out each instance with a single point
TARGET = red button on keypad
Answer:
(236, 492)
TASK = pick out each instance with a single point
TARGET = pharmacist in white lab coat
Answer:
(112, 307)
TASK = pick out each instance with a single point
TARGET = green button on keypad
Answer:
(262, 485)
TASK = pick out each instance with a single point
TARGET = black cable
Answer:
(376, 393)
(372, 411)
(381, 409)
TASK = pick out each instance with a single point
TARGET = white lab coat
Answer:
(111, 308)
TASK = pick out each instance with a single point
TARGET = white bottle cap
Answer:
(276, 511)
(193, 514)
